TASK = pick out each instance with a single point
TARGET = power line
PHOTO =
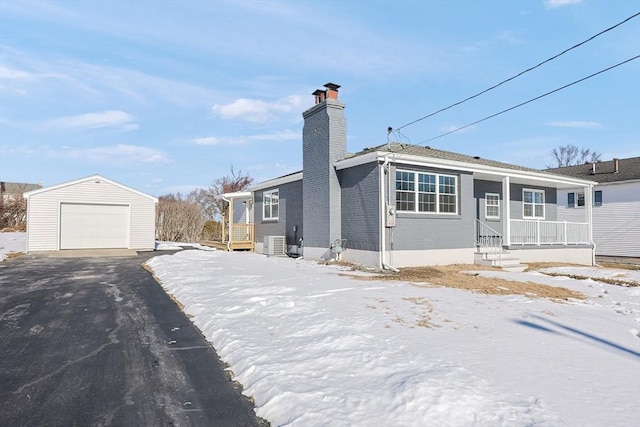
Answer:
(520, 73)
(530, 100)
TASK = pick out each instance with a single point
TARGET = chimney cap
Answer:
(332, 86)
(317, 92)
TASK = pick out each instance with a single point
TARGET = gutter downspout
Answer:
(383, 214)
(589, 203)
(230, 220)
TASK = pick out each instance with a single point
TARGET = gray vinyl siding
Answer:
(480, 189)
(360, 207)
(550, 201)
(43, 222)
(415, 231)
(239, 211)
(289, 213)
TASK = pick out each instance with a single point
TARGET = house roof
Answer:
(284, 179)
(433, 153)
(88, 178)
(405, 152)
(482, 168)
(17, 187)
(628, 170)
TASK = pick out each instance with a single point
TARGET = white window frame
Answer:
(492, 205)
(416, 193)
(533, 203)
(268, 196)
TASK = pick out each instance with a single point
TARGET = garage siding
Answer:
(43, 225)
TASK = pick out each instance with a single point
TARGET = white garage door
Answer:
(85, 226)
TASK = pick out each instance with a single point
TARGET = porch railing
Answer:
(241, 233)
(488, 240)
(536, 232)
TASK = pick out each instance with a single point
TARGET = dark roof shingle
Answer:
(628, 169)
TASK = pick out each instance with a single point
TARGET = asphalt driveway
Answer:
(97, 342)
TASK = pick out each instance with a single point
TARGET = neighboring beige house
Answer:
(90, 213)
(616, 206)
(14, 190)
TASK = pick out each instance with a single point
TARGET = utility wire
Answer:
(529, 101)
(520, 73)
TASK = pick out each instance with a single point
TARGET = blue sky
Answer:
(166, 96)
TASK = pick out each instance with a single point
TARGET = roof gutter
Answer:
(457, 165)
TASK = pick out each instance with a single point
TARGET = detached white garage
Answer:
(90, 213)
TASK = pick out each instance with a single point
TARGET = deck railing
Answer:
(536, 232)
(241, 233)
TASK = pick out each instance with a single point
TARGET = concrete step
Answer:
(504, 261)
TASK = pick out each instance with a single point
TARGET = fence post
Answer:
(564, 229)
(538, 232)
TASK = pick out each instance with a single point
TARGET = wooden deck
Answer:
(233, 246)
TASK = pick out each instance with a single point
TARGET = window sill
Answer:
(428, 215)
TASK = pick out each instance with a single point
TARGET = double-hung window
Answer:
(270, 200)
(533, 204)
(492, 205)
(426, 192)
(575, 200)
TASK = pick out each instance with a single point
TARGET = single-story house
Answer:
(399, 205)
(616, 206)
(90, 213)
(10, 191)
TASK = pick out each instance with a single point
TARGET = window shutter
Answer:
(571, 200)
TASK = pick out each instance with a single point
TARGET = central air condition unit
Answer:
(275, 245)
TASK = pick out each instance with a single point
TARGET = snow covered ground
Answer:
(11, 242)
(317, 348)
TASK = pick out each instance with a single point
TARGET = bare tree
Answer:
(178, 220)
(570, 155)
(13, 208)
(236, 181)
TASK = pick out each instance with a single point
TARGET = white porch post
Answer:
(588, 201)
(506, 210)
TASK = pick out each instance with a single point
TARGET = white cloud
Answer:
(257, 110)
(552, 4)
(207, 140)
(578, 124)
(112, 118)
(284, 135)
(120, 154)
(10, 73)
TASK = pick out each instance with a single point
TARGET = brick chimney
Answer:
(324, 140)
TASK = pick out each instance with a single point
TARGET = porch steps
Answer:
(503, 260)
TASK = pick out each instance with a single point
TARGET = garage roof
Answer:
(97, 178)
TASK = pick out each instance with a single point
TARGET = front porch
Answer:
(237, 226)
(532, 241)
